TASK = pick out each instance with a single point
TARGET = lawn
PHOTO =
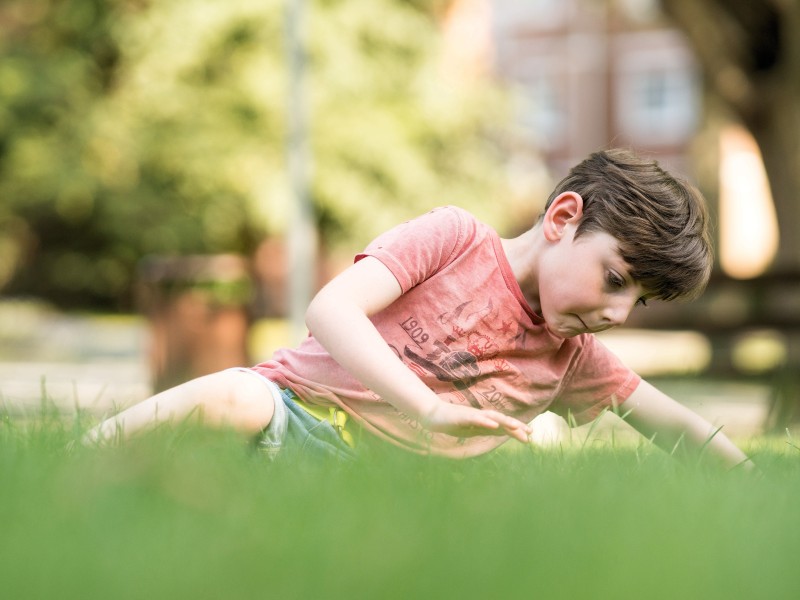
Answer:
(193, 514)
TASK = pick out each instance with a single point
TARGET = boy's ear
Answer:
(565, 208)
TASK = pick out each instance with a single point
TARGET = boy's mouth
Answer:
(585, 327)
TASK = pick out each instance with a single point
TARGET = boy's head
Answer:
(659, 221)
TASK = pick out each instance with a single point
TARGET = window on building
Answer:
(532, 14)
(540, 113)
(657, 104)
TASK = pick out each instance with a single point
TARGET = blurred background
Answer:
(177, 178)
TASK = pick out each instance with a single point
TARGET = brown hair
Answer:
(660, 221)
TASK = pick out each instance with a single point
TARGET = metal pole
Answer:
(302, 234)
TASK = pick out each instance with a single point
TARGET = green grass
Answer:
(191, 514)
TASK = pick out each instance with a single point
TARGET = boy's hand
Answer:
(466, 421)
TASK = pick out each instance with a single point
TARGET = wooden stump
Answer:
(197, 308)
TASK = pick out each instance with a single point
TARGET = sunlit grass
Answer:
(186, 513)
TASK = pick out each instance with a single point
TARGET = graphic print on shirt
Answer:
(459, 368)
(457, 358)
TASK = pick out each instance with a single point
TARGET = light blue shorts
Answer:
(293, 431)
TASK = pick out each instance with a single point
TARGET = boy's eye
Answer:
(615, 281)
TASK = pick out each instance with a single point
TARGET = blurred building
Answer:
(590, 73)
(587, 74)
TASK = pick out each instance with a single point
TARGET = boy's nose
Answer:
(617, 313)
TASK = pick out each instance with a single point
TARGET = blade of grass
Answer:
(789, 442)
(592, 427)
(677, 444)
(708, 440)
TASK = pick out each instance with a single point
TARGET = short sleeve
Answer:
(598, 381)
(415, 250)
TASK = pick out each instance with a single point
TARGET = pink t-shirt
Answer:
(463, 326)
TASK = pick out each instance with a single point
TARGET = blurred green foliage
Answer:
(130, 127)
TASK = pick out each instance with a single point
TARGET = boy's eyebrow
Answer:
(627, 268)
(631, 280)
(627, 274)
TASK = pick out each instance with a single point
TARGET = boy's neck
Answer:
(522, 253)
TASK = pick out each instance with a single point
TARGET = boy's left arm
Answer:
(669, 423)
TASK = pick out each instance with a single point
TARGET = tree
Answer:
(118, 140)
(749, 51)
(130, 128)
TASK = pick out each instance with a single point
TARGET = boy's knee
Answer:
(241, 399)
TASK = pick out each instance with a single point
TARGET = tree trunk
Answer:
(197, 310)
(778, 138)
(749, 51)
(776, 128)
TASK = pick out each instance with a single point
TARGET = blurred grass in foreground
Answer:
(192, 514)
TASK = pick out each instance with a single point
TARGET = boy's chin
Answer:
(562, 331)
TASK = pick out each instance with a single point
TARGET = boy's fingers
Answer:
(491, 422)
(520, 435)
(510, 422)
(515, 428)
(487, 421)
(510, 426)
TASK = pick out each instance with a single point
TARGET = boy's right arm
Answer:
(338, 317)
(670, 424)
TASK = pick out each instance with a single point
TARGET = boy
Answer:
(443, 338)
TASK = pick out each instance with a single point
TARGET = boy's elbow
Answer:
(323, 308)
(314, 312)
(331, 308)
